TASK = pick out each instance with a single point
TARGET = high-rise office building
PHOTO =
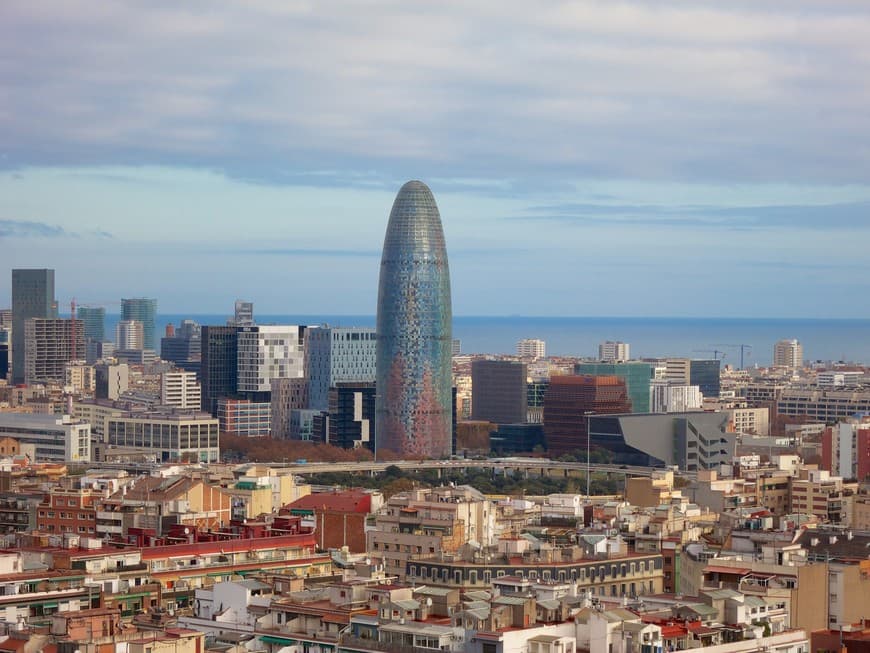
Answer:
(94, 319)
(32, 296)
(456, 348)
(288, 397)
(414, 414)
(788, 353)
(266, 353)
(49, 345)
(498, 391)
(183, 346)
(614, 351)
(673, 398)
(243, 314)
(571, 400)
(220, 365)
(5, 341)
(706, 375)
(350, 420)
(142, 310)
(129, 334)
(337, 355)
(637, 380)
(531, 348)
(5, 337)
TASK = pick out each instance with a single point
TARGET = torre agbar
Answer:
(413, 405)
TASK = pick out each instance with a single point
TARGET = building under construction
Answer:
(49, 344)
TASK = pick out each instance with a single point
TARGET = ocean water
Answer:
(837, 340)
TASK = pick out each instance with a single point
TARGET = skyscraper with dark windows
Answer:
(32, 296)
(414, 412)
(142, 310)
(220, 366)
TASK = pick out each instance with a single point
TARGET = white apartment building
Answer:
(129, 334)
(269, 352)
(675, 398)
(788, 353)
(614, 351)
(51, 438)
(837, 379)
(180, 389)
(531, 348)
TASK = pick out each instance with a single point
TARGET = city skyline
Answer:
(717, 154)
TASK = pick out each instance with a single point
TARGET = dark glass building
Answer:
(350, 419)
(219, 367)
(414, 335)
(498, 391)
(32, 296)
(705, 375)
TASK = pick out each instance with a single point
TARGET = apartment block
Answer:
(422, 523)
(180, 389)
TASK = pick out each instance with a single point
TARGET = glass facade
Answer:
(32, 296)
(94, 318)
(414, 414)
(636, 375)
(705, 375)
(145, 311)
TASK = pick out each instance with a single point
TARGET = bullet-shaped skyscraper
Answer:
(413, 413)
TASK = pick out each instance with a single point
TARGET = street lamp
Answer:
(588, 413)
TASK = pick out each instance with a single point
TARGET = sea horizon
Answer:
(823, 339)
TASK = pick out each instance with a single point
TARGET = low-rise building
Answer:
(51, 438)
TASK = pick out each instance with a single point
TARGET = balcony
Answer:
(109, 516)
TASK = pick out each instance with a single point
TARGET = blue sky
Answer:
(588, 158)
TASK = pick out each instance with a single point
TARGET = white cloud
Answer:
(753, 91)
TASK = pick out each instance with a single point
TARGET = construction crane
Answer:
(715, 353)
(72, 328)
(743, 350)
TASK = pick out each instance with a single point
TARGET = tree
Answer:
(398, 485)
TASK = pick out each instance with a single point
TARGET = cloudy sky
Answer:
(589, 158)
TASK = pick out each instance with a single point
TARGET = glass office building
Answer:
(142, 310)
(414, 335)
(636, 375)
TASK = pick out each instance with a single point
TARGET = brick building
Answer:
(339, 517)
(68, 511)
(569, 402)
